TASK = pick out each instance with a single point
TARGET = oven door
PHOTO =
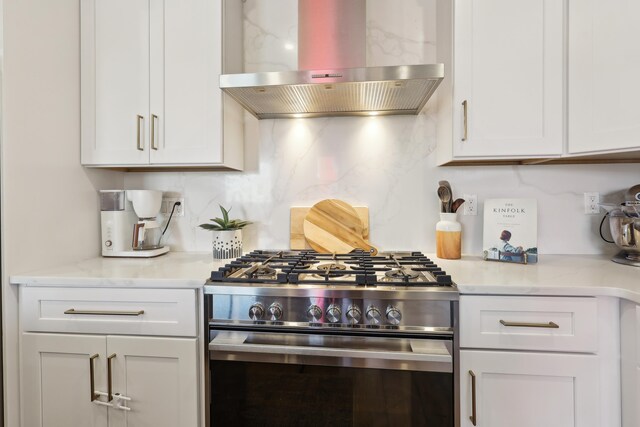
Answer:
(281, 379)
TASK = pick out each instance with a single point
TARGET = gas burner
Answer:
(304, 265)
(331, 270)
(401, 274)
(263, 271)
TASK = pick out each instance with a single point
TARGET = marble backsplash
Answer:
(385, 163)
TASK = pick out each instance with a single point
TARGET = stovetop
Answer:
(392, 292)
(358, 268)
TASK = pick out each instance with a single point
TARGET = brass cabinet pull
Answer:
(464, 128)
(473, 398)
(92, 378)
(139, 118)
(105, 312)
(154, 146)
(550, 325)
(109, 377)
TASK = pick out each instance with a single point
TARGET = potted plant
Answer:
(227, 235)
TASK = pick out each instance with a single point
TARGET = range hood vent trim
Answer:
(402, 89)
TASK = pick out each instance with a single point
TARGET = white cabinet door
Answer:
(186, 102)
(149, 84)
(509, 70)
(604, 65)
(529, 389)
(630, 362)
(115, 81)
(160, 375)
(56, 380)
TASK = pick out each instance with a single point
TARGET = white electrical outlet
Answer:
(167, 205)
(591, 203)
(470, 204)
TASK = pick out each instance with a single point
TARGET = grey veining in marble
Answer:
(386, 163)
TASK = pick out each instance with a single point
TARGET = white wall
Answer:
(386, 163)
(50, 203)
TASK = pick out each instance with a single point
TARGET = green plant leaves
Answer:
(225, 214)
(225, 223)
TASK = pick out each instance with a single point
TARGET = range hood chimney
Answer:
(332, 79)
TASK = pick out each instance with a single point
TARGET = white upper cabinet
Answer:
(115, 81)
(507, 79)
(150, 94)
(604, 70)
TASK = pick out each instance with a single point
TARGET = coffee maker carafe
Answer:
(129, 223)
(147, 230)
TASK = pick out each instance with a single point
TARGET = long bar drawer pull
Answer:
(465, 128)
(139, 128)
(154, 146)
(105, 312)
(110, 377)
(92, 381)
(473, 398)
(550, 325)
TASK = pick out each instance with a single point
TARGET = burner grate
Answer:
(359, 268)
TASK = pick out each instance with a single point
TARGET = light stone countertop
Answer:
(585, 275)
(187, 270)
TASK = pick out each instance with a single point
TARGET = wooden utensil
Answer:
(444, 194)
(296, 226)
(445, 183)
(332, 225)
(456, 205)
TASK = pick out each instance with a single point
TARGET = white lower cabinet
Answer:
(533, 361)
(160, 375)
(56, 380)
(528, 389)
(76, 359)
(630, 363)
(62, 373)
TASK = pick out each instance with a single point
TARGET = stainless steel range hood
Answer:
(403, 89)
(329, 84)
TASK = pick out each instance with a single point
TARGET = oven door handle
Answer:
(417, 354)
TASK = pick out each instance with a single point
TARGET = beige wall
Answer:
(50, 204)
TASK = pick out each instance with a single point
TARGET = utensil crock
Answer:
(448, 237)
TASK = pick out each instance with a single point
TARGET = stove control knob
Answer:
(393, 315)
(334, 314)
(373, 315)
(275, 310)
(256, 311)
(354, 314)
(314, 313)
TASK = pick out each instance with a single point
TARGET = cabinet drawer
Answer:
(169, 312)
(529, 323)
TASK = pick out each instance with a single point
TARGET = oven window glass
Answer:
(265, 394)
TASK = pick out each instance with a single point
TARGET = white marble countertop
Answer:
(173, 270)
(587, 275)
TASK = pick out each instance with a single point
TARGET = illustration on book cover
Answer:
(511, 230)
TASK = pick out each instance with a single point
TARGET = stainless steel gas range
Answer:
(303, 338)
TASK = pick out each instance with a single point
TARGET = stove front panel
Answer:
(371, 312)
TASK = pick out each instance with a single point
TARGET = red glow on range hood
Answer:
(331, 34)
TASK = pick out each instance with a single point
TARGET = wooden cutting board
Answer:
(333, 226)
(296, 226)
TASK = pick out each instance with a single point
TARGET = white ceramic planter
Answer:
(227, 244)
